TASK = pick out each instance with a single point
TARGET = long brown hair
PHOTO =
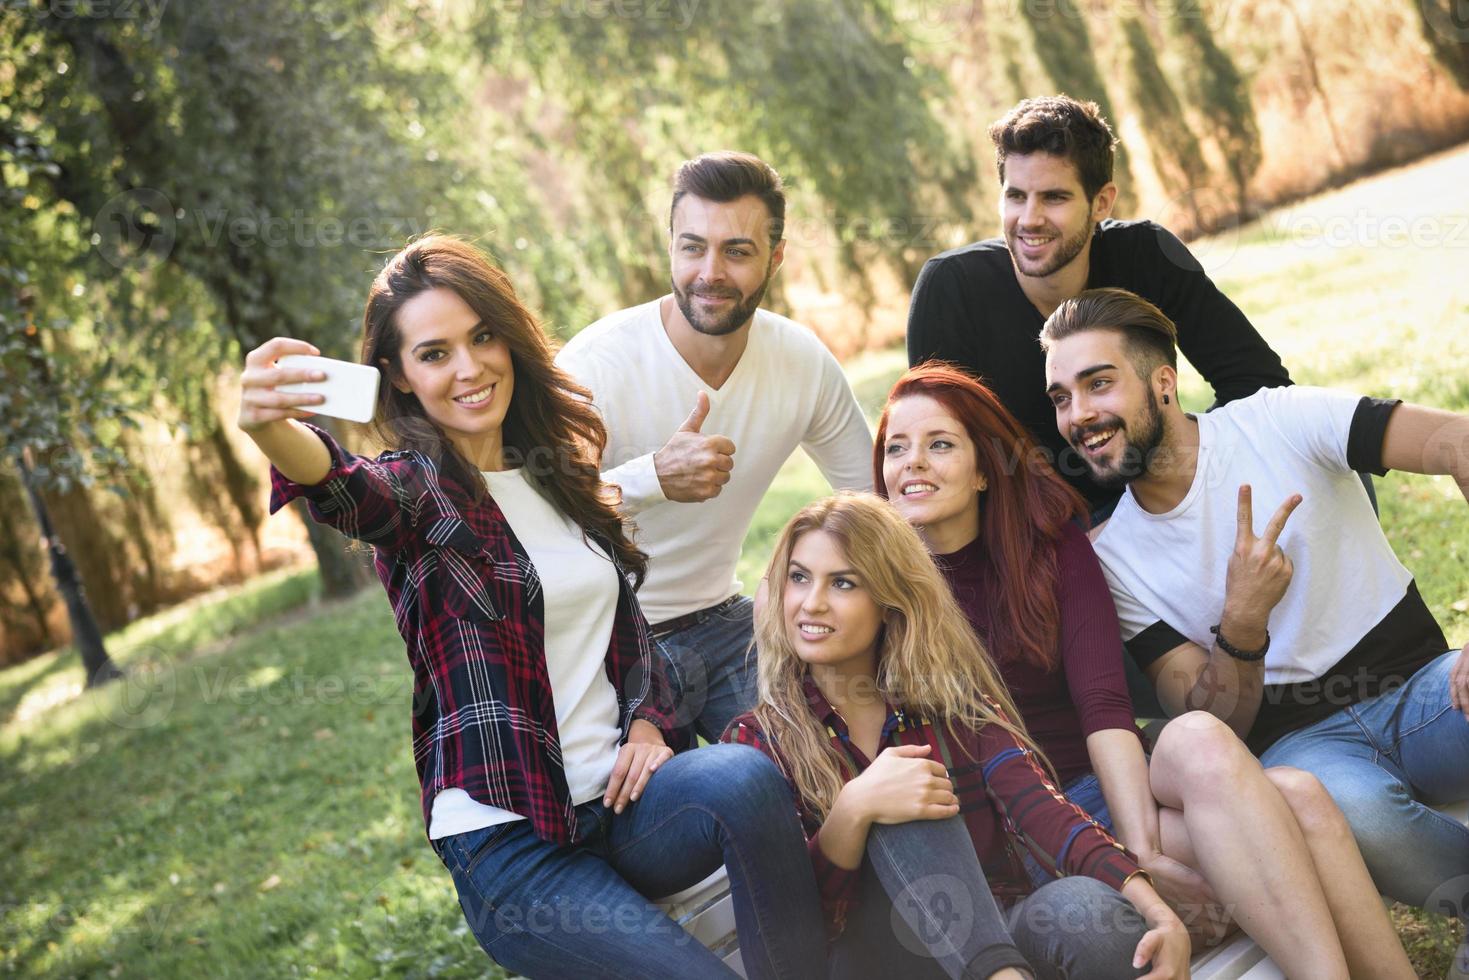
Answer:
(929, 661)
(550, 422)
(1026, 505)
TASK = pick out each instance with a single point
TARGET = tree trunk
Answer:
(1309, 51)
(86, 636)
(19, 561)
(241, 488)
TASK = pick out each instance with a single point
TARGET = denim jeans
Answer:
(711, 670)
(583, 910)
(1078, 929)
(925, 911)
(1382, 760)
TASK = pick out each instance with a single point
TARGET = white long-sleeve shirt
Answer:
(787, 391)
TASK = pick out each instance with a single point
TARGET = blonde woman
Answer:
(915, 784)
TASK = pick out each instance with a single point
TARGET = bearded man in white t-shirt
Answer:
(1305, 633)
(705, 395)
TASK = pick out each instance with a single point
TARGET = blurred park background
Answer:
(181, 180)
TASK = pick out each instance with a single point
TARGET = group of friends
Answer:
(921, 750)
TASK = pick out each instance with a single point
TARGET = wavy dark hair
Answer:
(550, 415)
(1061, 126)
(1026, 505)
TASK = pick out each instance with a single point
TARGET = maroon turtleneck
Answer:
(1088, 693)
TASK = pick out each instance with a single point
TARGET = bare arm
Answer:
(1432, 441)
(269, 417)
(1166, 943)
(843, 837)
(1190, 678)
(1428, 440)
(1122, 769)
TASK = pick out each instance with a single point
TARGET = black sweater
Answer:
(968, 308)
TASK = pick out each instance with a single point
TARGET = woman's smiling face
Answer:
(460, 371)
(930, 470)
(831, 618)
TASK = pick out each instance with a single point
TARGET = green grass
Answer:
(244, 804)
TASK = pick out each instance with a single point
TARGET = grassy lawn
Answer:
(245, 803)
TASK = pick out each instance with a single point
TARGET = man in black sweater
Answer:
(982, 306)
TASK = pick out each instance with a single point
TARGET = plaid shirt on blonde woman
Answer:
(468, 604)
(1008, 802)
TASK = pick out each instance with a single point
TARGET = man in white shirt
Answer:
(1307, 636)
(705, 396)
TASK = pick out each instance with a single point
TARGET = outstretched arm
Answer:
(270, 417)
(1428, 440)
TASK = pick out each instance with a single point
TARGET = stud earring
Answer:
(1165, 399)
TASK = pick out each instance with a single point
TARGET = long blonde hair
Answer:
(929, 661)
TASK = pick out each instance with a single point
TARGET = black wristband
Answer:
(1235, 651)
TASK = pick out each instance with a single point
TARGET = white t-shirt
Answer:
(1167, 571)
(579, 590)
(787, 391)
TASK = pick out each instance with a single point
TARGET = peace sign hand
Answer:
(1259, 572)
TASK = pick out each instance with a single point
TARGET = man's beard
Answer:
(1068, 249)
(1136, 456)
(724, 323)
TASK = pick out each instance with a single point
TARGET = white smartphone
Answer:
(350, 389)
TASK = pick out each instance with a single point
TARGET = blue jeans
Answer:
(711, 671)
(924, 910)
(547, 910)
(1382, 760)
(1078, 929)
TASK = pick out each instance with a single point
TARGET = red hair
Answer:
(1026, 505)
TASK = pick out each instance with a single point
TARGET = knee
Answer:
(1312, 805)
(1082, 923)
(734, 779)
(1203, 754)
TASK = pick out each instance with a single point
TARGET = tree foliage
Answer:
(1215, 86)
(181, 183)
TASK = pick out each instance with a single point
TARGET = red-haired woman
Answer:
(1205, 820)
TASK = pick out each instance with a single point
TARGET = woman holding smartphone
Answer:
(881, 707)
(1205, 820)
(539, 712)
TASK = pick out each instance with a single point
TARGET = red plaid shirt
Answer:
(468, 604)
(1008, 802)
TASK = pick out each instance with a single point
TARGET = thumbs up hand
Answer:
(693, 466)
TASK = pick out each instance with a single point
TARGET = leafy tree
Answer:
(1222, 95)
(826, 91)
(262, 150)
(1061, 41)
(1172, 143)
(51, 390)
